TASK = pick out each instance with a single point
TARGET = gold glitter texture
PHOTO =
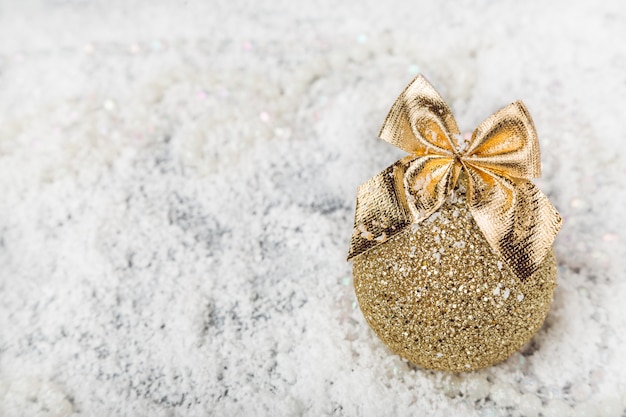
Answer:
(439, 295)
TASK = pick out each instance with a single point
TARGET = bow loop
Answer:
(427, 182)
(506, 143)
(420, 122)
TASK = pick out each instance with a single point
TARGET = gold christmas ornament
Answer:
(452, 245)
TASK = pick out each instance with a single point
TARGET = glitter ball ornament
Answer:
(452, 245)
(438, 295)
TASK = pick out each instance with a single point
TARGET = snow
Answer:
(178, 183)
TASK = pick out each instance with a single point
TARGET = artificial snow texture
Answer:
(178, 182)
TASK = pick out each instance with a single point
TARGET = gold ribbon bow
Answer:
(516, 218)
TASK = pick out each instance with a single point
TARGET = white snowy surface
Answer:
(177, 187)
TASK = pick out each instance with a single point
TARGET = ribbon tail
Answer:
(381, 209)
(516, 218)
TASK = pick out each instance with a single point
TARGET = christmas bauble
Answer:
(438, 295)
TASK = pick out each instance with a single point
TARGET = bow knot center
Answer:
(461, 143)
